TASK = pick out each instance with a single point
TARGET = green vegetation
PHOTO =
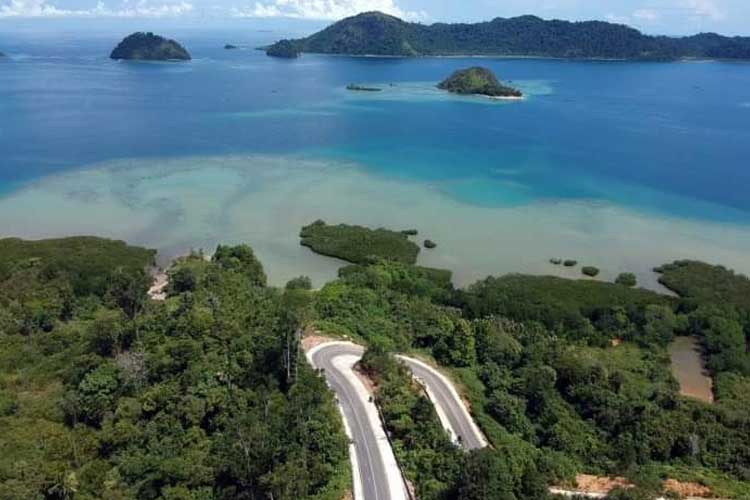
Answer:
(149, 47)
(83, 262)
(701, 282)
(477, 81)
(410, 232)
(536, 360)
(423, 448)
(362, 88)
(357, 244)
(570, 263)
(626, 279)
(105, 394)
(375, 33)
(285, 49)
(590, 271)
(429, 244)
(555, 262)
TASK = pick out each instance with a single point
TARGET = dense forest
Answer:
(107, 394)
(563, 376)
(375, 33)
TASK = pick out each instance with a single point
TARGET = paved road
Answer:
(374, 467)
(452, 412)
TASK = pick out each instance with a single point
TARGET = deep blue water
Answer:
(667, 137)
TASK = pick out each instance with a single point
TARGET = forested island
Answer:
(284, 49)
(375, 33)
(477, 81)
(149, 47)
(105, 393)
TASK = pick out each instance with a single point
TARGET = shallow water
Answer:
(689, 370)
(619, 165)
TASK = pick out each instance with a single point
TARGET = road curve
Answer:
(375, 472)
(450, 408)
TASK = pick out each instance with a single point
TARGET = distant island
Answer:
(149, 47)
(362, 88)
(285, 49)
(375, 33)
(2, 55)
(229, 46)
(478, 81)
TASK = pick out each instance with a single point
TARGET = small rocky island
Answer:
(361, 88)
(478, 81)
(2, 55)
(149, 47)
(229, 46)
(286, 49)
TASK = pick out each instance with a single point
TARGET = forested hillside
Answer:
(106, 394)
(563, 376)
(375, 33)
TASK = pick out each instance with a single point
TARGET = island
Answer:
(2, 56)
(149, 47)
(285, 49)
(229, 46)
(379, 34)
(362, 88)
(358, 244)
(478, 81)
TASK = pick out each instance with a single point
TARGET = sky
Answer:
(671, 17)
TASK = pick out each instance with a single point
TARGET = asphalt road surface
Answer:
(451, 409)
(376, 473)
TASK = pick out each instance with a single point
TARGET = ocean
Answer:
(619, 165)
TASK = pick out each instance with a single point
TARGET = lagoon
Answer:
(619, 165)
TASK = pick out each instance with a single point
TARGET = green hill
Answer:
(375, 33)
(149, 47)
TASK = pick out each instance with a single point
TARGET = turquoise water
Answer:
(622, 164)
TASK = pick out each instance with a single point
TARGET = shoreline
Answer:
(530, 57)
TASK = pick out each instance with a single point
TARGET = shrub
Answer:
(627, 279)
(556, 262)
(590, 271)
(570, 263)
(299, 283)
(429, 244)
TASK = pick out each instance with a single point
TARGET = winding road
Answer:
(375, 472)
(450, 408)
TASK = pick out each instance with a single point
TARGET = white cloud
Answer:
(127, 9)
(646, 15)
(323, 9)
(705, 9)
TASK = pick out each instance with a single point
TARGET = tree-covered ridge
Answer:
(375, 33)
(284, 49)
(358, 244)
(204, 396)
(149, 47)
(476, 81)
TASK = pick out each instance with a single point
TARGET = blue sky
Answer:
(652, 16)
